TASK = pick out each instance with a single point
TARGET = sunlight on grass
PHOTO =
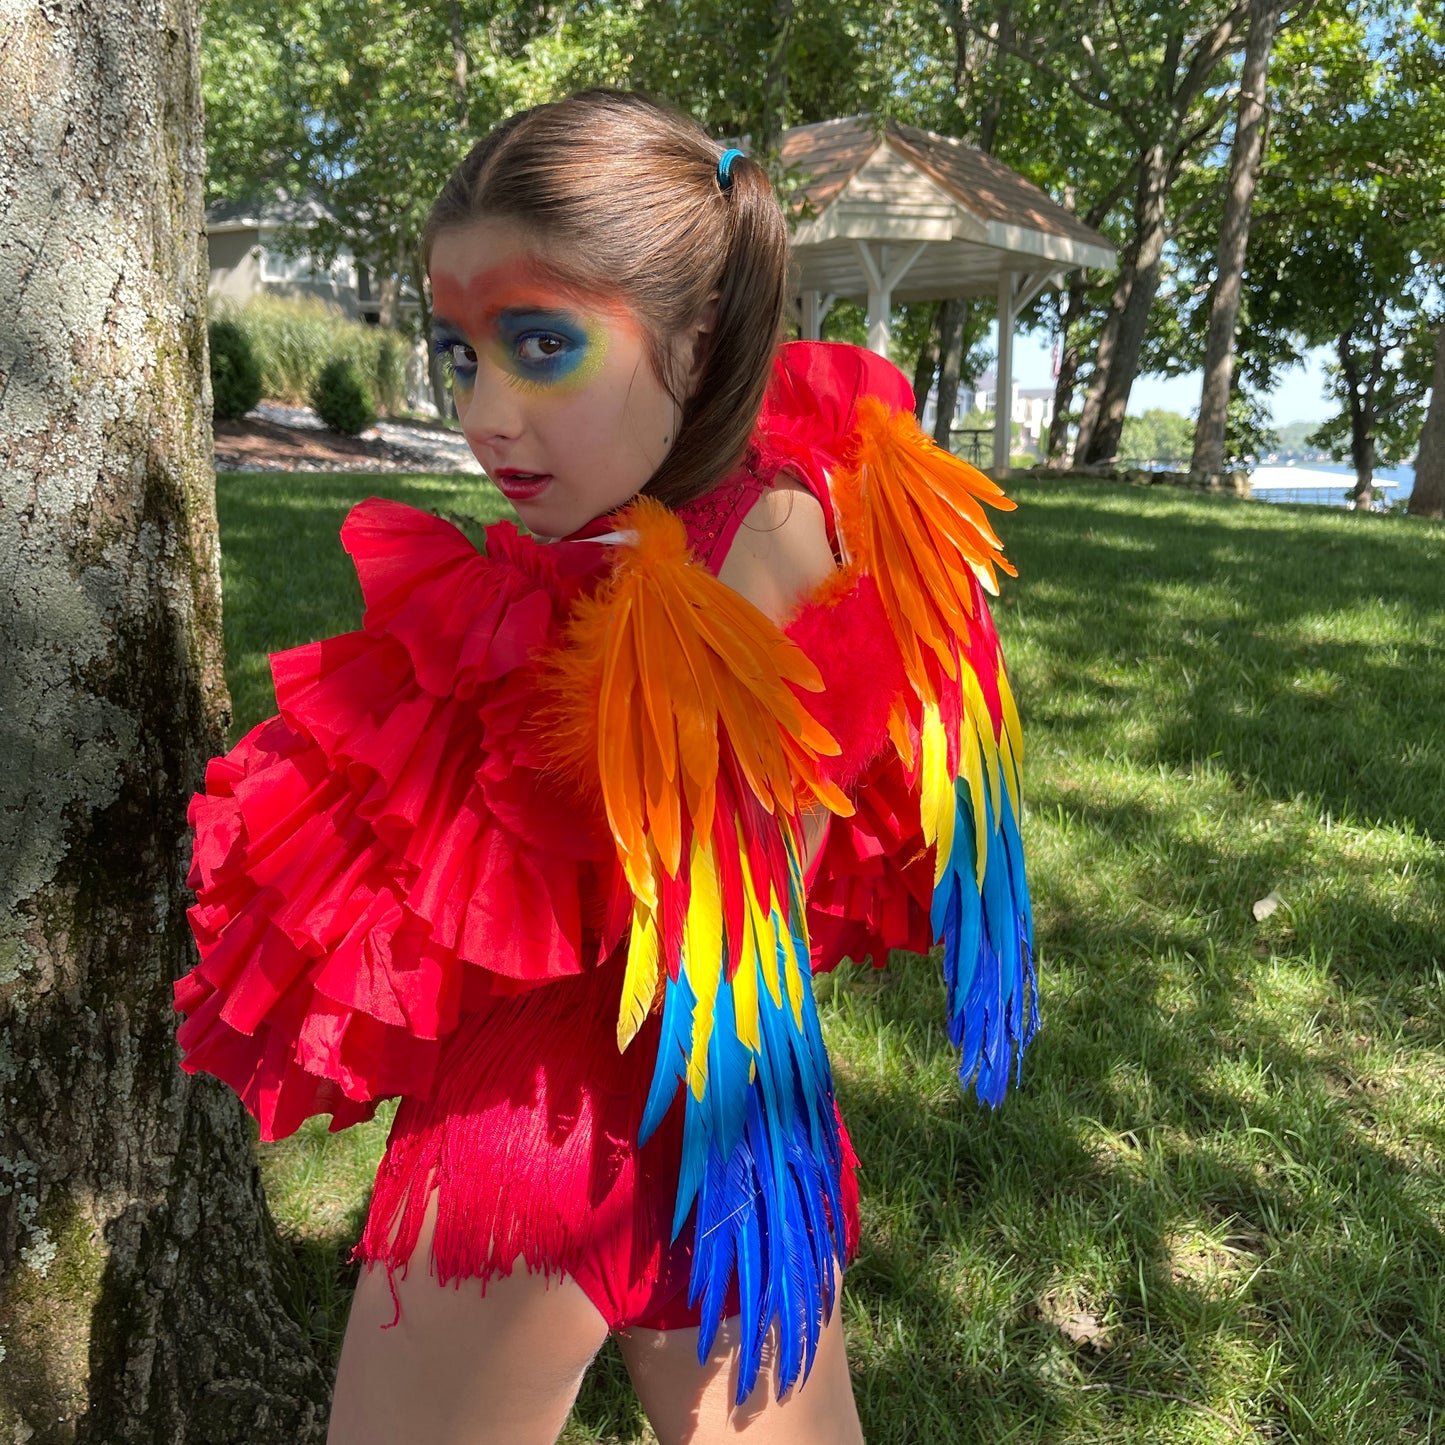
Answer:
(1214, 1210)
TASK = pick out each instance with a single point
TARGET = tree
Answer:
(136, 1295)
(1224, 296)
(1155, 73)
(1354, 196)
(1427, 499)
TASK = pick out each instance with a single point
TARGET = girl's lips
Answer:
(517, 486)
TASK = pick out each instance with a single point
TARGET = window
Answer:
(276, 265)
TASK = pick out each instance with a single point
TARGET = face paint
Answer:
(544, 333)
(555, 385)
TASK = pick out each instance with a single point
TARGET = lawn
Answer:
(1214, 1211)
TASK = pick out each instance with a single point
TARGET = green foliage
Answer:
(341, 397)
(1350, 251)
(1296, 439)
(235, 372)
(293, 340)
(1160, 438)
(1212, 1210)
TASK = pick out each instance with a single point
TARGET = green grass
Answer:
(1215, 1209)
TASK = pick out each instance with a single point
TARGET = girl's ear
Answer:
(696, 341)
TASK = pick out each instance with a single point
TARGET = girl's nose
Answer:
(489, 409)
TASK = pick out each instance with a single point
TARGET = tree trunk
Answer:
(1361, 404)
(1070, 307)
(1209, 432)
(926, 367)
(775, 80)
(951, 343)
(1103, 356)
(992, 115)
(1427, 499)
(1131, 308)
(137, 1301)
(441, 388)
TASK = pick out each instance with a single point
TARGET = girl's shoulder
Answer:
(780, 552)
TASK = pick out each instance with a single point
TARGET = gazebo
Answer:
(895, 213)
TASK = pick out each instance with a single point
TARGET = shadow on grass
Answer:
(1299, 649)
(1248, 1251)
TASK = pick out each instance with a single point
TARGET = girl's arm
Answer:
(779, 556)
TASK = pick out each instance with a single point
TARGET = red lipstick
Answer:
(517, 485)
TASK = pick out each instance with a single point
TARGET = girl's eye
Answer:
(540, 347)
(462, 358)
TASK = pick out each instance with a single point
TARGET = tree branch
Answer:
(1210, 48)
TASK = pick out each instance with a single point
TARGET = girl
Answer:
(546, 847)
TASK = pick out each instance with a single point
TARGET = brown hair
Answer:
(624, 192)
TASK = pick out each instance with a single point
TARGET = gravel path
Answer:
(277, 438)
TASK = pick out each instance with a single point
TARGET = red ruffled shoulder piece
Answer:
(388, 851)
(873, 883)
(812, 398)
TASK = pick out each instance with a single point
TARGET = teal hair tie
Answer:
(725, 168)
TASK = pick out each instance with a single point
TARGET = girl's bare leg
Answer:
(688, 1404)
(460, 1368)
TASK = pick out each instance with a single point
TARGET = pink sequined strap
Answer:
(712, 520)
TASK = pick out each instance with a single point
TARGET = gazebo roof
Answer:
(972, 216)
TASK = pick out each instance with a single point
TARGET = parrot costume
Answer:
(528, 851)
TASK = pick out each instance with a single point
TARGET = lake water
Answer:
(1275, 483)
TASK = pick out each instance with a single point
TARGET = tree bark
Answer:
(951, 342)
(1427, 498)
(1209, 432)
(1361, 406)
(1071, 306)
(775, 80)
(137, 1301)
(1129, 311)
(926, 368)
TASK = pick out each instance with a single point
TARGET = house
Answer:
(247, 259)
(1032, 409)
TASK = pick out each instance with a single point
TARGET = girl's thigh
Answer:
(689, 1403)
(460, 1367)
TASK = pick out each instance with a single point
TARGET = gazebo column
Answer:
(1003, 373)
(815, 308)
(1015, 291)
(882, 278)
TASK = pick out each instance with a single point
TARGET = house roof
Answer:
(253, 214)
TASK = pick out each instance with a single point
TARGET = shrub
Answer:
(341, 397)
(235, 371)
(293, 340)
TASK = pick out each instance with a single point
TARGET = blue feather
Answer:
(987, 937)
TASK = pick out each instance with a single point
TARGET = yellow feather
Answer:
(764, 942)
(639, 982)
(702, 934)
(745, 1001)
(935, 772)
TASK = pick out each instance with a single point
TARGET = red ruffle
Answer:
(392, 826)
(807, 416)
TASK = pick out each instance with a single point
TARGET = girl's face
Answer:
(554, 387)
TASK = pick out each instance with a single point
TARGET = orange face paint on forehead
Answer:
(474, 302)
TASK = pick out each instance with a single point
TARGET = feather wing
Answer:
(911, 518)
(706, 755)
